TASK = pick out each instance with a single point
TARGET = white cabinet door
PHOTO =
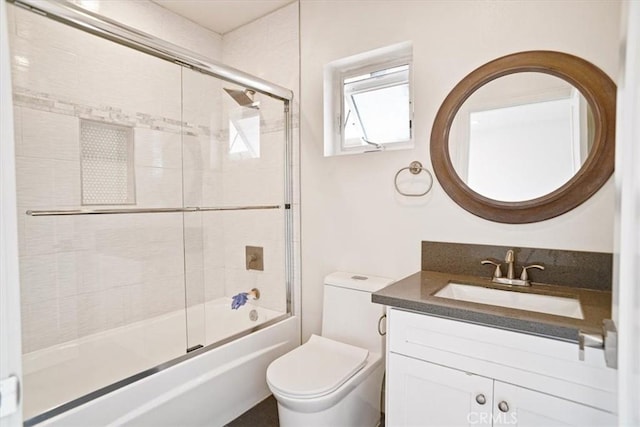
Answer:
(424, 394)
(517, 406)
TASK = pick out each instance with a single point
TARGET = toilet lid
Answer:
(316, 368)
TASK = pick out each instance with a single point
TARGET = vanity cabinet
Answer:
(448, 373)
(421, 394)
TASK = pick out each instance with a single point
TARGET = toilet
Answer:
(335, 379)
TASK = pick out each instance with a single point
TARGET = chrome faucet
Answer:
(510, 259)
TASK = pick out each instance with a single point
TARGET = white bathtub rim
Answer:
(60, 351)
(197, 357)
(189, 385)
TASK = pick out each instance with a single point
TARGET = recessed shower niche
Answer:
(107, 163)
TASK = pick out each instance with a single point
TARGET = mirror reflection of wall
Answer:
(521, 136)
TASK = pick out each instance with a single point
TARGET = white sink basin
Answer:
(559, 306)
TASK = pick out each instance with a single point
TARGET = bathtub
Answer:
(149, 379)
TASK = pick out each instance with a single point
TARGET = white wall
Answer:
(626, 293)
(352, 219)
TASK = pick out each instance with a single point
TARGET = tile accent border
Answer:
(42, 101)
(23, 97)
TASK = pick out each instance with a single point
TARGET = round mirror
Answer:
(521, 136)
(526, 137)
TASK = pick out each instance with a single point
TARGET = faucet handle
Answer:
(524, 275)
(498, 272)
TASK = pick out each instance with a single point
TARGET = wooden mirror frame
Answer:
(599, 91)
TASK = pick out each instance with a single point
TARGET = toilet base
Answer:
(359, 408)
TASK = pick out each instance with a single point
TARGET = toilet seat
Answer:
(316, 368)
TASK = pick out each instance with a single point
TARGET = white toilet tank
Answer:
(348, 315)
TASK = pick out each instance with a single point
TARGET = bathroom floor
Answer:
(264, 414)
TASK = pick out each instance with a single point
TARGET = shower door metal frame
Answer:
(101, 26)
(75, 16)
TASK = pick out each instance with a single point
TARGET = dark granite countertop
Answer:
(416, 293)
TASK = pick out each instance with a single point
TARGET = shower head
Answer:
(244, 98)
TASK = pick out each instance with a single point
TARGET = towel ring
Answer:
(415, 168)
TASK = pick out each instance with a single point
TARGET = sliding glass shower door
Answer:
(98, 129)
(148, 198)
(234, 145)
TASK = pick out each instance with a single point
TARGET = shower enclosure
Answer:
(146, 178)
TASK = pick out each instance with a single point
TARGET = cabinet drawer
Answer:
(530, 361)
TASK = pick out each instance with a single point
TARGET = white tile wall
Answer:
(40, 326)
(202, 99)
(80, 274)
(194, 262)
(157, 149)
(68, 325)
(47, 135)
(158, 187)
(34, 182)
(193, 188)
(248, 49)
(71, 233)
(119, 269)
(37, 237)
(214, 283)
(154, 297)
(47, 183)
(213, 239)
(155, 20)
(202, 171)
(43, 68)
(66, 183)
(38, 275)
(264, 228)
(68, 274)
(212, 188)
(100, 310)
(86, 274)
(63, 63)
(253, 187)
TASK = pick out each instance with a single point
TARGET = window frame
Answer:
(335, 74)
(368, 85)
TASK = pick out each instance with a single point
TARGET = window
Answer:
(368, 102)
(376, 108)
